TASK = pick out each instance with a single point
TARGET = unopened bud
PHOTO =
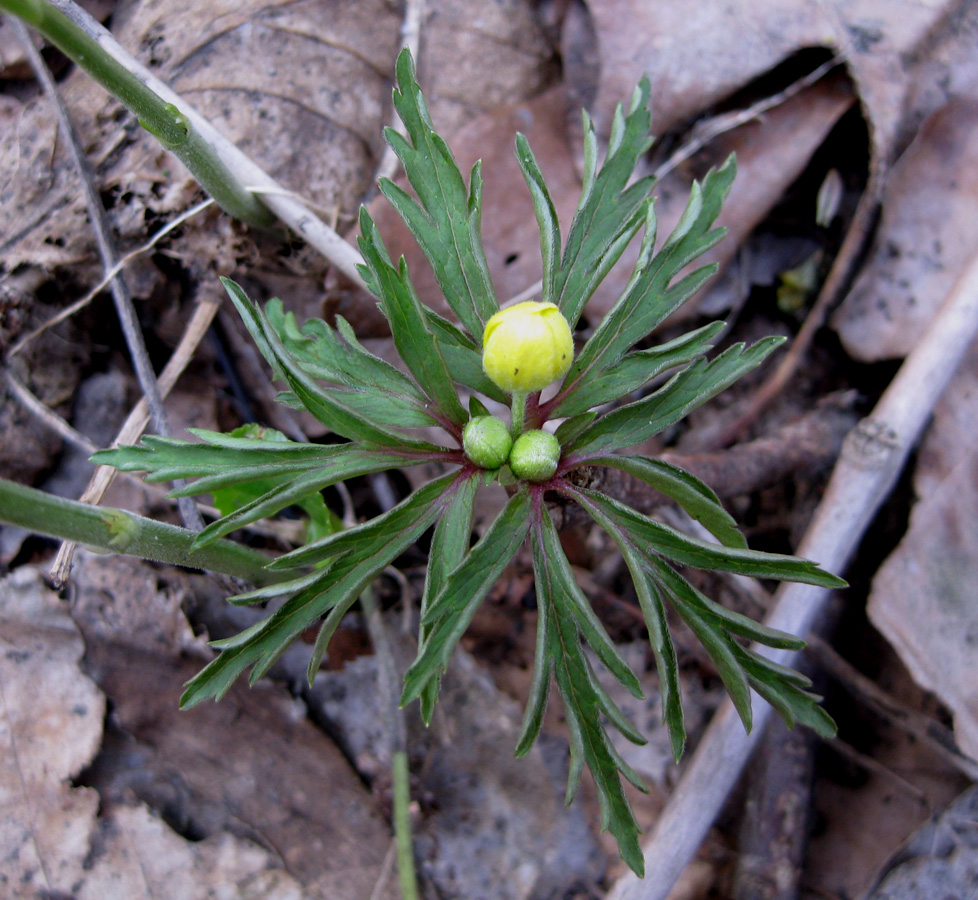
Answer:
(527, 346)
(534, 456)
(486, 441)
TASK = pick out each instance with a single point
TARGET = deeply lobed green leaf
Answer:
(610, 211)
(415, 342)
(335, 356)
(634, 371)
(682, 487)
(335, 408)
(446, 218)
(586, 703)
(376, 545)
(685, 391)
(655, 539)
(651, 296)
(220, 459)
(451, 609)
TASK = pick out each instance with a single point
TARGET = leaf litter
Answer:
(911, 66)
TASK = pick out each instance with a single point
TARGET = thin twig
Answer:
(82, 302)
(107, 251)
(137, 420)
(46, 415)
(711, 129)
(870, 764)
(293, 212)
(380, 886)
(871, 461)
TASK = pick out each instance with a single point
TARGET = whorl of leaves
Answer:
(373, 406)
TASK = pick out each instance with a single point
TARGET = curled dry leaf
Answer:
(698, 55)
(926, 238)
(923, 597)
(303, 87)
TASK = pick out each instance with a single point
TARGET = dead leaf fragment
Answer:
(137, 856)
(697, 55)
(252, 765)
(923, 597)
(940, 860)
(926, 238)
(52, 841)
(50, 727)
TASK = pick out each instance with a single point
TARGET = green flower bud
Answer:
(534, 456)
(486, 441)
(527, 346)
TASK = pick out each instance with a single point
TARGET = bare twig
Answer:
(712, 128)
(871, 461)
(137, 420)
(290, 210)
(82, 302)
(877, 768)
(107, 251)
(775, 826)
(46, 415)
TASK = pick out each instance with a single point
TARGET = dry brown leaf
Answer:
(923, 597)
(138, 857)
(54, 843)
(926, 238)
(250, 765)
(699, 55)
(303, 87)
(50, 728)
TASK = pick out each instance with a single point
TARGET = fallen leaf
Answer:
(50, 728)
(697, 56)
(252, 765)
(926, 237)
(55, 842)
(138, 857)
(940, 860)
(304, 90)
(923, 596)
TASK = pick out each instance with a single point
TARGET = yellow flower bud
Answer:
(527, 346)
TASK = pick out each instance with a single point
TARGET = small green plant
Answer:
(511, 357)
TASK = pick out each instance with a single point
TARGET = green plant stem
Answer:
(517, 415)
(117, 531)
(173, 130)
(402, 827)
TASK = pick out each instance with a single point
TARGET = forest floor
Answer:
(850, 226)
